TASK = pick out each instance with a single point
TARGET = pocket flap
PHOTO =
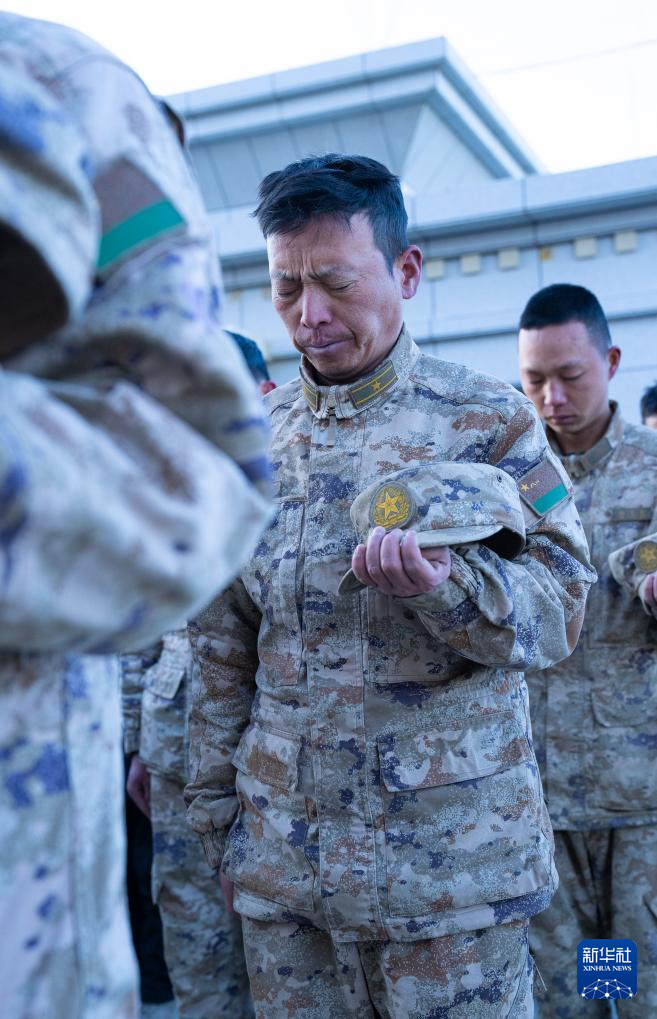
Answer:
(625, 703)
(164, 678)
(269, 757)
(468, 748)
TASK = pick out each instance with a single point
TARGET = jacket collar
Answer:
(578, 465)
(374, 388)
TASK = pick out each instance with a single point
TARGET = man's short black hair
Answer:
(563, 302)
(335, 185)
(649, 403)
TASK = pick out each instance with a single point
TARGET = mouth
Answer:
(560, 419)
(324, 347)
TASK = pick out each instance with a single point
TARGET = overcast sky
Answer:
(577, 78)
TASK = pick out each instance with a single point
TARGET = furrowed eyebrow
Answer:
(281, 274)
(330, 270)
(321, 274)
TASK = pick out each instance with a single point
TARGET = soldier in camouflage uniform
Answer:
(126, 418)
(202, 941)
(362, 762)
(595, 715)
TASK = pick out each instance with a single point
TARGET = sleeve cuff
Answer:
(459, 586)
(214, 846)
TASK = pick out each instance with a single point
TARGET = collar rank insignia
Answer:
(391, 506)
(645, 556)
(364, 392)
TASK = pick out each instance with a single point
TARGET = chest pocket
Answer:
(162, 742)
(400, 649)
(164, 678)
(625, 740)
(612, 616)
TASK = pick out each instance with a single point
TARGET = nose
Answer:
(315, 309)
(553, 393)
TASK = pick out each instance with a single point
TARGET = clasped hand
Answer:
(394, 564)
(649, 593)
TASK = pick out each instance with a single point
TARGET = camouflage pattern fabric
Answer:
(595, 715)
(595, 720)
(369, 759)
(298, 972)
(202, 941)
(120, 434)
(156, 697)
(608, 889)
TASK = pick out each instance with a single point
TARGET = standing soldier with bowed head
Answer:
(127, 420)
(361, 747)
(595, 715)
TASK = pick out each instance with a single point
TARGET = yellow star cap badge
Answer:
(391, 506)
(645, 556)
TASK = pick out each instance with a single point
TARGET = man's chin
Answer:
(332, 364)
(564, 425)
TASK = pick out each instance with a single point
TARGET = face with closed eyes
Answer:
(566, 377)
(340, 302)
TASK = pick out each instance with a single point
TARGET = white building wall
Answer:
(493, 228)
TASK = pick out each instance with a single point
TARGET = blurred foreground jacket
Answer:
(133, 484)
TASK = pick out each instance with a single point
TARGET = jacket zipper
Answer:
(332, 426)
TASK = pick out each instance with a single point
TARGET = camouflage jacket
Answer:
(595, 716)
(120, 433)
(380, 749)
(129, 423)
(156, 692)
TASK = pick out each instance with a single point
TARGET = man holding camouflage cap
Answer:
(446, 504)
(362, 766)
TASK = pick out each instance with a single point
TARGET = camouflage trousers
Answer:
(202, 941)
(298, 972)
(608, 889)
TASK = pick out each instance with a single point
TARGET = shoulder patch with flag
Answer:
(134, 212)
(542, 488)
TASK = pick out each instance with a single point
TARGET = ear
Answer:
(409, 265)
(613, 360)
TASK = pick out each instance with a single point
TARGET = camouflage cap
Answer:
(446, 504)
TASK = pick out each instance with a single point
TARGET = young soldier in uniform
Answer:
(361, 754)
(595, 716)
(126, 419)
